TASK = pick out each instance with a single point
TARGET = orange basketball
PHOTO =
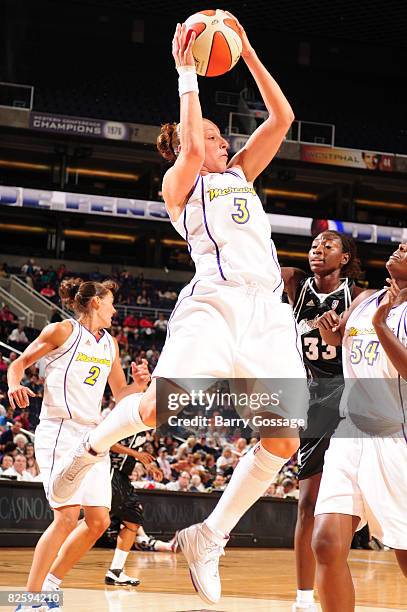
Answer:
(217, 46)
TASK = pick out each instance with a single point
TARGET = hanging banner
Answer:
(350, 158)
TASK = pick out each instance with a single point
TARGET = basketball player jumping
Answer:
(365, 469)
(230, 320)
(334, 264)
(80, 358)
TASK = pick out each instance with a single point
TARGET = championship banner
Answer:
(350, 158)
(92, 128)
(81, 126)
(156, 211)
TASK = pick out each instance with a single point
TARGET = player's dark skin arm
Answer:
(292, 278)
(394, 349)
(144, 457)
(332, 327)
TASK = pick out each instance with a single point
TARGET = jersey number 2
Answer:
(93, 376)
(242, 215)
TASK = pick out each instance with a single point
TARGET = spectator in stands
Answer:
(241, 446)
(146, 325)
(130, 322)
(122, 339)
(23, 418)
(6, 315)
(19, 469)
(3, 363)
(143, 299)
(20, 441)
(12, 357)
(9, 434)
(33, 468)
(289, 488)
(161, 324)
(3, 270)
(210, 465)
(18, 335)
(6, 463)
(219, 484)
(196, 485)
(61, 272)
(164, 464)
(182, 484)
(226, 460)
(29, 450)
(48, 291)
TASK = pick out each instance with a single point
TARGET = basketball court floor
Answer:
(253, 580)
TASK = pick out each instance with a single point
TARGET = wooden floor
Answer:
(253, 579)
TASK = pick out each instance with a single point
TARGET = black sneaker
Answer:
(116, 577)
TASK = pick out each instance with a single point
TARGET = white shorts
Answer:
(221, 330)
(367, 477)
(55, 439)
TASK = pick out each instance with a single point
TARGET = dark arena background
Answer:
(84, 87)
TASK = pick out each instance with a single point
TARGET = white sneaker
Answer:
(304, 607)
(69, 477)
(202, 550)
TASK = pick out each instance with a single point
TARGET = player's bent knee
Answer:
(98, 526)
(306, 508)
(66, 523)
(325, 547)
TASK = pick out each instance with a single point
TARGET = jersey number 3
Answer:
(242, 215)
(93, 376)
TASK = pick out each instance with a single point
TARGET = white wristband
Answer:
(187, 80)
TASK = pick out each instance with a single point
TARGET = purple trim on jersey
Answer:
(53, 456)
(234, 173)
(401, 317)
(66, 372)
(93, 335)
(278, 286)
(274, 256)
(186, 230)
(178, 304)
(67, 350)
(208, 232)
(296, 346)
(360, 308)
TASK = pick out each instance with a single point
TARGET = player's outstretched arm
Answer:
(180, 178)
(264, 143)
(394, 349)
(52, 336)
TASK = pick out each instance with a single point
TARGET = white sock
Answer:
(51, 583)
(123, 421)
(306, 596)
(251, 478)
(119, 559)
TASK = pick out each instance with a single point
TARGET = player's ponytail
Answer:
(77, 294)
(168, 141)
(68, 290)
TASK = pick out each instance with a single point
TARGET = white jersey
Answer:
(228, 232)
(380, 393)
(76, 374)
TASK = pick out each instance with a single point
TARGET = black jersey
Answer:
(125, 463)
(321, 360)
